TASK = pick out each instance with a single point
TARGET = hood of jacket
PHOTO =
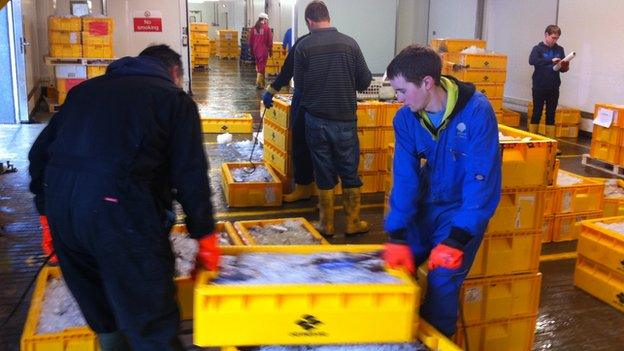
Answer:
(139, 66)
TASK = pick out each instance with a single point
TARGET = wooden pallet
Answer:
(602, 165)
(51, 61)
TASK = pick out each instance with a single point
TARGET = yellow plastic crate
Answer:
(583, 197)
(567, 131)
(61, 98)
(201, 48)
(90, 39)
(199, 27)
(612, 206)
(510, 118)
(567, 226)
(280, 112)
(368, 138)
(602, 245)
(276, 135)
(563, 114)
(485, 60)
(369, 114)
(618, 113)
(527, 164)
(612, 135)
(605, 152)
(95, 71)
(547, 228)
(67, 24)
(455, 45)
(425, 333)
(519, 209)
(58, 37)
(390, 158)
(501, 297)
(239, 194)
(385, 136)
(388, 183)
(277, 159)
(372, 161)
(66, 50)
(97, 51)
(497, 103)
(505, 335)
(242, 227)
(185, 285)
(227, 35)
(476, 75)
(491, 90)
(509, 253)
(65, 85)
(348, 313)
(240, 123)
(389, 111)
(599, 281)
(98, 25)
(70, 339)
(202, 55)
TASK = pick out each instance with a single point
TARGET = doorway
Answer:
(13, 45)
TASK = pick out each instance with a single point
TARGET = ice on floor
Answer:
(250, 174)
(417, 346)
(244, 148)
(290, 232)
(185, 250)
(617, 227)
(564, 179)
(321, 268)
(613, 190)
(60, 310)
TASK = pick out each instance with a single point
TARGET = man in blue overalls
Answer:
(446, 181)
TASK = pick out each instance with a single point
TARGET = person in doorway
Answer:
(439, 209)
(329, 69)
(546, 80)
(261, 47)
(104, 172)
(300, 155)
(287, 42)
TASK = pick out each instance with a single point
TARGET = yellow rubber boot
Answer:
(550, 131)
(259, 80)
(301, 192)
(533, 128)
(352, 202)
(325, 224)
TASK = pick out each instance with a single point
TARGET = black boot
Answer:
(115, 341)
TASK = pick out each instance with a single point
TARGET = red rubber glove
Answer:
(46, 239)
(446, 257)
(398, 256)
(208, 254)
(565, 66)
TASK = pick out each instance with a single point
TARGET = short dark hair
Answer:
(552, 29)
(414, 63)
(165, 54)
(317, 11)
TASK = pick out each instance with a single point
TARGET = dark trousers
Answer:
(115, 256)
(335, 150)
(551, 98)
(301, 158)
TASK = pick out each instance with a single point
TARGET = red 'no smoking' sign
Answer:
(147, 21)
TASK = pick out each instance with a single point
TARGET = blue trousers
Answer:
(441, 304)
(551, 98)
(302, 160)
(335, 150)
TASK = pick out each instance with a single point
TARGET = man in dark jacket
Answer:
(546, 80)
(329, 68)
(300, 154)
(104, 173)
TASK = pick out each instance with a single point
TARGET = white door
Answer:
(13, 93)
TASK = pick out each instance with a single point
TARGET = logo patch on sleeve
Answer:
(480, 177)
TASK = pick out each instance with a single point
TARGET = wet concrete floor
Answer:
(568, 319)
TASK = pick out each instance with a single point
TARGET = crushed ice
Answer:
(250, 174)
(60, 310)
(290, 232)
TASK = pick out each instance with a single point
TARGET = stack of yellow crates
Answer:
(213, 47)
(227, 44)
(572, 199)
(567, 121)
(374, 132)
(276, 60)
(607, 143)
(64, 36)
(600, 263)
(200, 44)
(502, 290)
(97, 37)
(487, 70)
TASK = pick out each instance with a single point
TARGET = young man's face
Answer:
(551, 39)
(412, 96)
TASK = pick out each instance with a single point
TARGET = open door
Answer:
(13, 91)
